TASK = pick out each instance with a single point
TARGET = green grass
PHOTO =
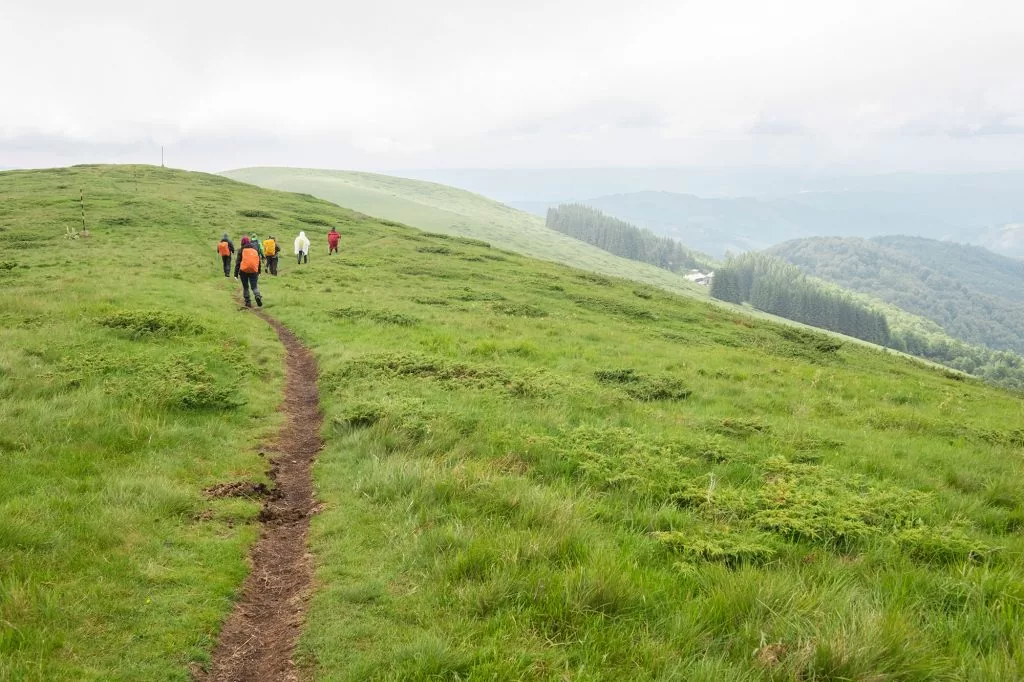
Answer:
(449, 210)
(129, 382)
(530, 472)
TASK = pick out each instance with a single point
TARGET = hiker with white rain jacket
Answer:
(302, 247)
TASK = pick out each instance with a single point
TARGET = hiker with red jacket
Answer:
(225, 248)
(249, 265)
(332, 242)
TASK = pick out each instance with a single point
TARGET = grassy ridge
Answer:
(440, 208)
(533, 472)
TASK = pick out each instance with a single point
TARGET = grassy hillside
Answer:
(973, 294)
(449, 210)
(129, 382)
(530, 472)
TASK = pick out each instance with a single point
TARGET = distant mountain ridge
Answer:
(746, 224)
(717, 210)
(972, 293)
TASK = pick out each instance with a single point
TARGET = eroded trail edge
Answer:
(258, 640)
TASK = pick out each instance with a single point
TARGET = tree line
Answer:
(974, 295)
(1002, 367)
(776, 287)
(779, 288)
(623, 239)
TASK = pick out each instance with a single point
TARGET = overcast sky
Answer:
(862, 84)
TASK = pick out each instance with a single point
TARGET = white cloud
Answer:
(458, 82)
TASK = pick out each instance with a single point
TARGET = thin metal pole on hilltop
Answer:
(81, 200)
(161, 156)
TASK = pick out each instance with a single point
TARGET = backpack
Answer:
(270, 247)
(250, 260)
(223, 248)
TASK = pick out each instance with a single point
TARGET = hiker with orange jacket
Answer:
(332, 241)
(225, 248)
(249, 265)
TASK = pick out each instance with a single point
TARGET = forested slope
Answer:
(973, 294)
(774, 286)
(622, 239)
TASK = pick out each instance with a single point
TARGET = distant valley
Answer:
(717, 211)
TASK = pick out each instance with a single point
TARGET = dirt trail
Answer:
(259, 638)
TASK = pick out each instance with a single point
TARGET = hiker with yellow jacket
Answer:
(248, 266)
(271, 253)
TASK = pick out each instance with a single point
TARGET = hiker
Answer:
(270, 252)
(332, 242)
(249, 266)
(225, 248)
(302, 247)
(257, 244)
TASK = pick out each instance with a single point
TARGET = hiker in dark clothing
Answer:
(257, 244)
(249, 265)
(225, 248)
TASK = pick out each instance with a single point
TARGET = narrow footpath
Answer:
(258, 640)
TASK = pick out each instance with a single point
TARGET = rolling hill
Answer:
(528, 472)
(973, 294)
(457, 212)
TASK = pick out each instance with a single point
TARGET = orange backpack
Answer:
(250, 260)
(223, 249)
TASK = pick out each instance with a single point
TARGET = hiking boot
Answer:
(248, 304)
(259, 301)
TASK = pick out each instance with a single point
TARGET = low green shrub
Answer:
(449, 372)
(379, 316)
(468, 241)
(439, 250)
(613, 307)
(314, 220)
(467, 294)
(189, 385)
(738, 427)
(518, 309)
(141, 323)
(723, 545)
(644, 387)
(593, 278)
(941, 545)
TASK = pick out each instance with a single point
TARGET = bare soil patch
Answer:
(237, 489)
